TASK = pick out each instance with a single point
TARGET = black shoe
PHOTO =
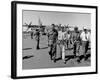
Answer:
(51, 57)
(78, 61)
(37, 48)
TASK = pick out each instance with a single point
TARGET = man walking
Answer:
(63, 43)
(37, 38)
(53, 43)
(60, 40)
(32, 34)
(76, 41)
(85, 36)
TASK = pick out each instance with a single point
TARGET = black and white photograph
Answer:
(56, 39)
(53, 39)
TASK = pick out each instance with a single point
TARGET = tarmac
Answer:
(38, 59)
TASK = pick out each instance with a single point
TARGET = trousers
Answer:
(85, 45)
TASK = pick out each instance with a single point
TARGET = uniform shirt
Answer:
(67, 36)
(85, 36)
(63, 35)
(37, 35)
(59, 35)
(53, 35)
(76, 36)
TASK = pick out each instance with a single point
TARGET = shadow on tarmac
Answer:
(68, 57)
(27, 57)
(27, 48)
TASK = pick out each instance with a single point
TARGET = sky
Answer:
(48, 17)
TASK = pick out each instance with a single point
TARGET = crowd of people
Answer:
(63, 38)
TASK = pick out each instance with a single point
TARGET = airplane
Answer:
(29, 27)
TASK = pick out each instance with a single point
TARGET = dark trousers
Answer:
(52, 52)
(67, 44)
(31, 35)
(38, 44)
(76, 47)
(85, 45)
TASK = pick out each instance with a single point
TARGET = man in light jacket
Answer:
(85, 37)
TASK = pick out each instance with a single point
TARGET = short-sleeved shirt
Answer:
(53, 35)
(85, 36)
(59, 35)
(63, 35)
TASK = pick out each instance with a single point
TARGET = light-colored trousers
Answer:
(63, 52)
(62, 49)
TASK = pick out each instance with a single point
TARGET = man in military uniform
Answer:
(37, 38)
(49, 32)
(76, 41)
(53, 43)
(31, 34)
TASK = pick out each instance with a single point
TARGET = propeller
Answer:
(28, 25)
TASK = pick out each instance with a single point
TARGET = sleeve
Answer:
(81, 34)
